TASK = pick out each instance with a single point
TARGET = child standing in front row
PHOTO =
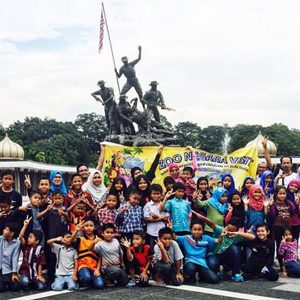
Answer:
(178, 208)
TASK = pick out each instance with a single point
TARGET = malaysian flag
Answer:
(101, 35)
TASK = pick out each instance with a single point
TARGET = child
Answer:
(167, 259)
(154, 218)
(130, 215)
(57, 183)
(89, 263)
(142, 185)
(203, 192)
(196, 246)
(108, 214)
(33, 259)
(76, 192)
(288, 249)
(267, 183)
(5, 212)
(111, 254)
(227, 182)
(190, 185)
(7, 190)
(77, 213)
(178, 208)
(217, 206)
(168, 183)
(236, 210)
(139, 258)
(262, 255)
(67, 265)
(9, 253)
(247, 183)
(119, 189)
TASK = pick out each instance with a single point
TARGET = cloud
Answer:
(217, 61)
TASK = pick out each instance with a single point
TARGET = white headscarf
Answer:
(97, 192)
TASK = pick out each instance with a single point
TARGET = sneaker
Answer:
(160, 283)
(264, 270)
(131, 283)
(238, 278)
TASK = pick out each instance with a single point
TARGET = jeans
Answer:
(231, 258)
(115, 273)
(151, 241)
(26, 282)
(167, 272)
(6, 283)
(190, 270)
(293, 269)
(86, 277)
(253, 268)
(62, 280)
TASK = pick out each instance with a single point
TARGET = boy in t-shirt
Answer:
(112, 265)
(139, 258)
(167, 259)
(6, 214)
(66, 262)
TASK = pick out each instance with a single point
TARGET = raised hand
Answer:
(160, 149)
(246, 200)
(27, 181)
(264, 142)
(27, 221)
(121, 196)
(126, 243)
(189, 148)
(169, 194)
(79, 226)
(230, 208)
(266, 203)
(160, 244)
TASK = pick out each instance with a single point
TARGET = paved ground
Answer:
(253, 290)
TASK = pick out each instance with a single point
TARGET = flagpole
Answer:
(110, 44)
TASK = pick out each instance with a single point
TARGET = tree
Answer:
(188, 134)
(211, 138)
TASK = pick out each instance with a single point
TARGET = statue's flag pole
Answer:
(103, 20)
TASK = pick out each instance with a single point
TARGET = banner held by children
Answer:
(119, 160)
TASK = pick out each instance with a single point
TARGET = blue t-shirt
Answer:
(179, 210)
(196, 251)
(254, 217)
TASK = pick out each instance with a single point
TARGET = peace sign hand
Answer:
(27, 181)
(27, 221)
(169, 194)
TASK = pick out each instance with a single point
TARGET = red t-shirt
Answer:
(141, 257)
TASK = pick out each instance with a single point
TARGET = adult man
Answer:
(106, 96)
(261, 167)
(129, 72)
(154, 98)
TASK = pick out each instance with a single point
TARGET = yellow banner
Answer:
(119, 160)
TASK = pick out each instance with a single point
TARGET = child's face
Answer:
(77, 183)
(248, 184)
(257, 194)
(67, 239)
(166, 239)
(44, 186)
(119, 186)
(7, 233)
(288, 236)
(89, 227)
(137, 240)
(281, 195)
(236, 200)
(79, 210)
(227, 182)
(169, 186)
(143, 185)
(108, 234)
(186, 174)
(224, 198)
(268, 179)
(203, 186)
(36, 200)
(197, 231)
(262, 233)
(57, 180)
(57, 199)
(134, 199)
(293, 188)
(155, 196)
(174, 172)
(97, 180)
(5, 207)
(179, 193)
(32, 241)
(231, 228)
(137, 173)
(111, 201)
(8, 181)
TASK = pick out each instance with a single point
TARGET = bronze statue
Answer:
(106, 97)
(129, 72)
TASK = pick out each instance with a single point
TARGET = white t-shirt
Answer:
(174, 253)
(287, 179)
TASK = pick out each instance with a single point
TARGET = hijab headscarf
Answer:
(263, 177)
(289, 195)
(62, 187)
(214, 201)
(244, 190)
(231, 189)
(97, 192)
(256, 204)
(238, 210)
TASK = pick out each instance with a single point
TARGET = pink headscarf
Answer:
(171, 166)
(256, 204)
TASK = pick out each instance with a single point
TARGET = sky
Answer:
(217, 62)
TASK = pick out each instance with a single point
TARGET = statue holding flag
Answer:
(129, 72)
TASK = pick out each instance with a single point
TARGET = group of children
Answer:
(124, 235)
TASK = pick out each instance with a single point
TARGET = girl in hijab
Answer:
(57, 182)
(247, 183)
(267, 183)
(119, 189)
(227, 182)
(142, 185)
(254, 207)
(95, 187)
(217, 207)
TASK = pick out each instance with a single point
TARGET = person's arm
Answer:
(123, 210)
(15, 261)
(267, 154)
(70, 208)
(77, 229)
(144, 274)
(101, 157)
(54, 240)
(164, 254)
(199, 202)
(194, 158)
(134, 62)
(45, 212)
(127, 244)
(229, 214)
(40, 276)
(75, 277)
(206, 220)
(95, 94)
(244, 235)
(118, 74)
(166, 198)
(23, 230)
(97, 271)
(178, 267)
(151, 173)
(246, 200)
